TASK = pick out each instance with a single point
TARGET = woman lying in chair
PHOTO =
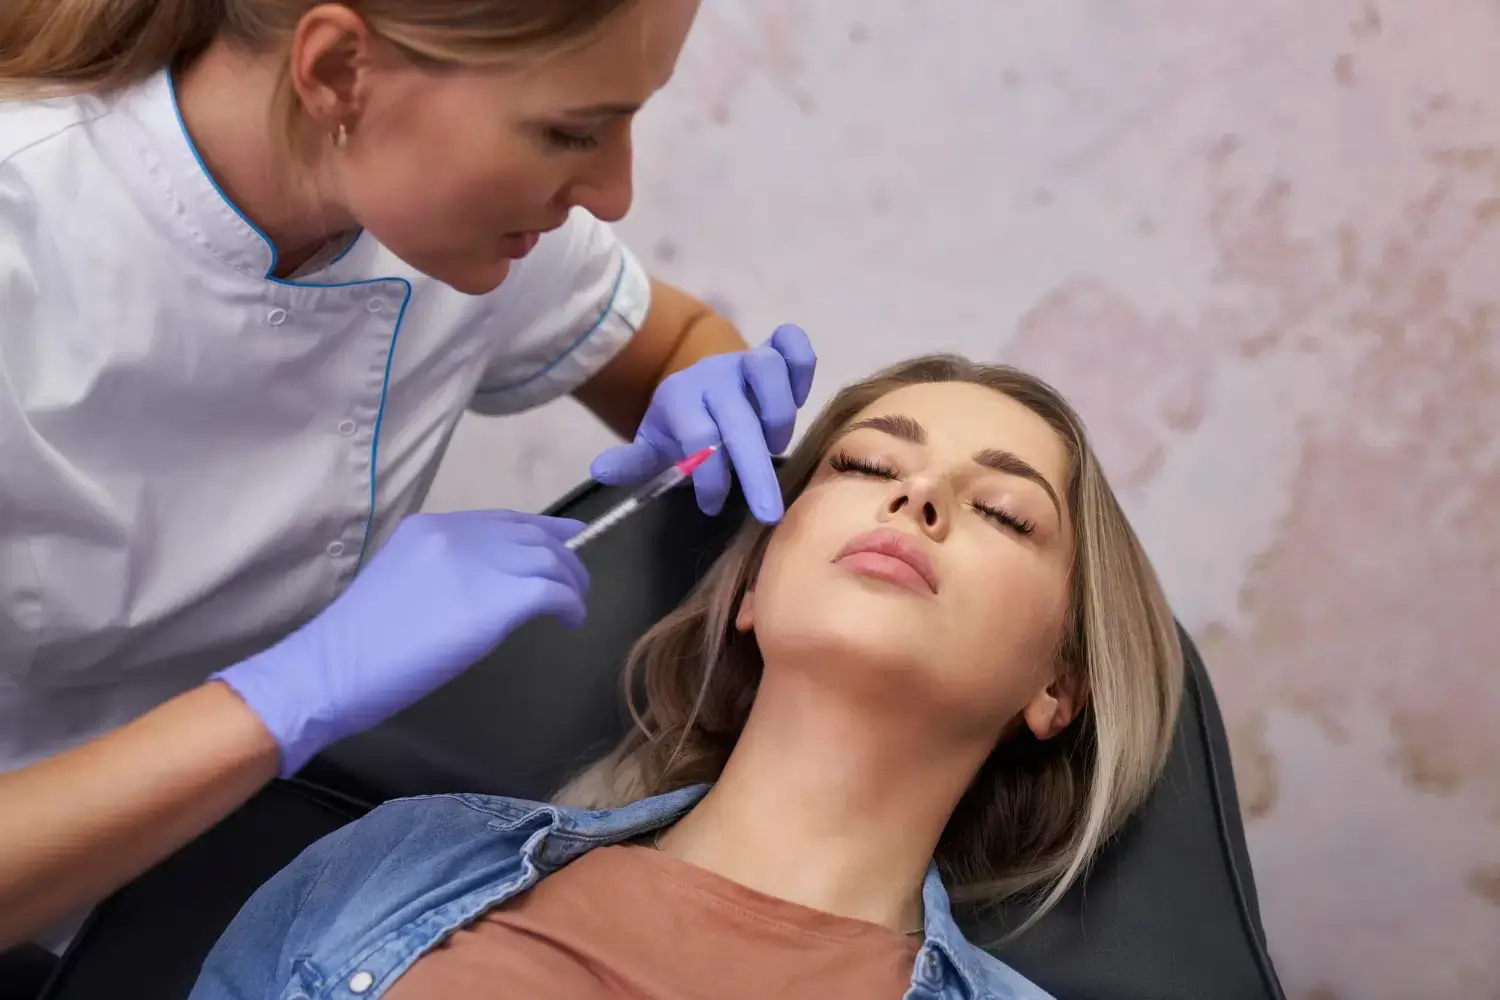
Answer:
(949, 671)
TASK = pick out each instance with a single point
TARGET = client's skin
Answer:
(882, 696)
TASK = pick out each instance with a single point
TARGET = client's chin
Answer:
(856, 638)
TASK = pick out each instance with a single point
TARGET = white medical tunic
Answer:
(195, 457)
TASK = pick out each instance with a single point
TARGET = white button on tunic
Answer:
(194, 457)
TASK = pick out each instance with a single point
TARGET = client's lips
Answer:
(890, 555)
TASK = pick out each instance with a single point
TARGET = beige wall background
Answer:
(1257, 244)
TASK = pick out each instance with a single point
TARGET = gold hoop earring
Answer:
(341, 136)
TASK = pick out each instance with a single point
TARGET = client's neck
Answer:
(829, 803)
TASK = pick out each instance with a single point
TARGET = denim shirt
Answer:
(358, 908)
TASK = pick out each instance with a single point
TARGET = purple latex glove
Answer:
(441, 594)
(746, 401)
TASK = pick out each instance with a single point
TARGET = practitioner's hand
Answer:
(746, 401)
(440, 595)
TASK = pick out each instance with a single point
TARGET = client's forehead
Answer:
(962, 418)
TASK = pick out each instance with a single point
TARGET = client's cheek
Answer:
(799, 536)
(1025, 607)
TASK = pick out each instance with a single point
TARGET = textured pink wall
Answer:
(1259, 245)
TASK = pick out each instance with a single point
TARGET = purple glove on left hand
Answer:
(443, 592)
(746, 401)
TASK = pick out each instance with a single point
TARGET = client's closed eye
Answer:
(844, 462)
(1020, 526)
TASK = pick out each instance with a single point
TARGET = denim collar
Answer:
(564, 834)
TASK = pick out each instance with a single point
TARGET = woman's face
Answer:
(458, 171)
(928, 560)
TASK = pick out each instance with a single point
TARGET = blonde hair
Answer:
(1038, 811)
(52, 47)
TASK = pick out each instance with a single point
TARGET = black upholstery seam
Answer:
(1221, 819)
(571, 499)
(328, 798)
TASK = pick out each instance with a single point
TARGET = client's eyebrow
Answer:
(899, 425)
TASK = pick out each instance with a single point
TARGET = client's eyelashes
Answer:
(1019, 525)
(844, 462)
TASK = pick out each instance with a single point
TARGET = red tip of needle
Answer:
(687, 465)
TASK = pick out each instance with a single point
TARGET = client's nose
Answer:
(922, 502)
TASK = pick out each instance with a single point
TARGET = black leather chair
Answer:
(1168, 913)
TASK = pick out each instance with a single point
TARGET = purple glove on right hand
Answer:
(747, 401)
(443, 592)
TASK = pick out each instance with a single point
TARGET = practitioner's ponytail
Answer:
(61, 46)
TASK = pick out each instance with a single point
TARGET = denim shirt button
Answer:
(360, 982)
(930, 967)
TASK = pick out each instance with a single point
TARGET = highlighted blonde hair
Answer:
(1038, 811)
(51, 47)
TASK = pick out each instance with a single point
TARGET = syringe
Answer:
(653, 489)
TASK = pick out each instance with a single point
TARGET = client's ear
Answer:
(744, 619)
(1054, 708)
